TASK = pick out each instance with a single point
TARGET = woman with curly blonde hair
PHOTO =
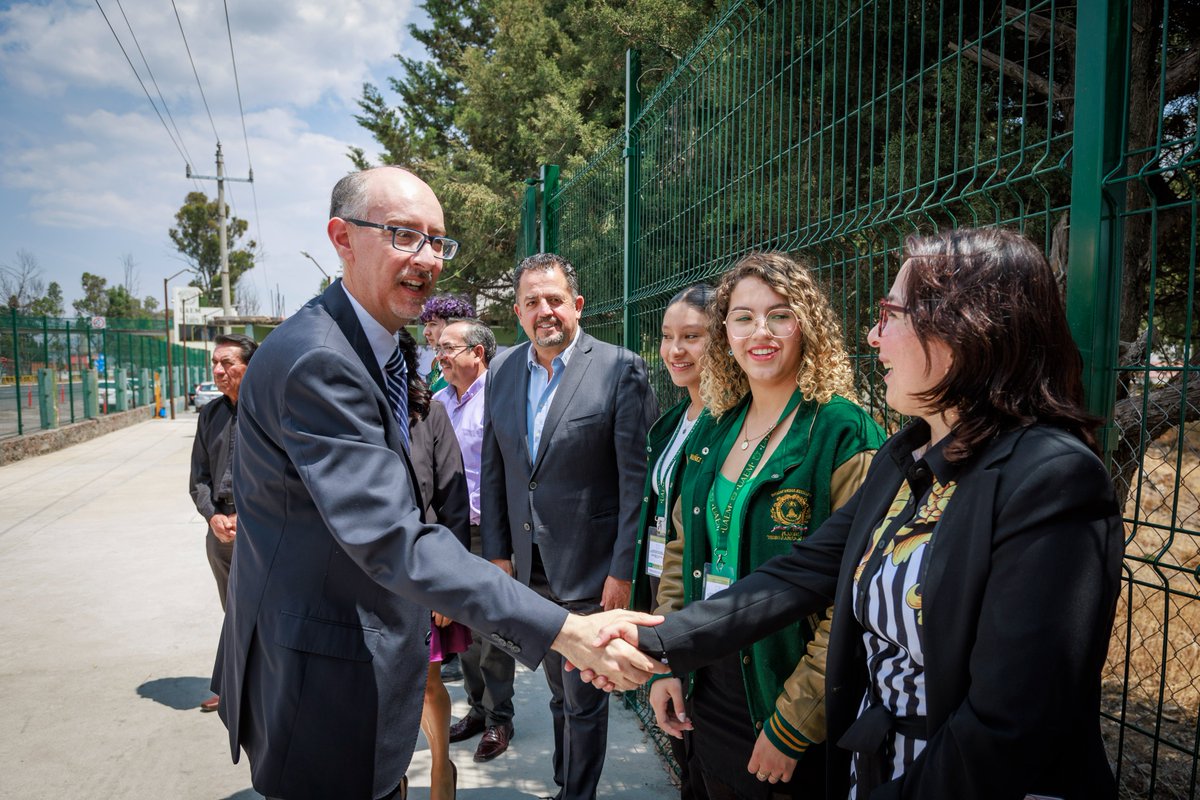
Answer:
(784, 447)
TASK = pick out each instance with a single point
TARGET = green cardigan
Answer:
(657, 440)
(788, 499)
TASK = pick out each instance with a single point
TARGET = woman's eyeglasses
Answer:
(780, 323)
(886, 309)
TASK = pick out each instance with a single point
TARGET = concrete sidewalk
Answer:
(109, 626)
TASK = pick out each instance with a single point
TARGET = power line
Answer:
(141, 83)
(237, 85)
(245, 137)
(194, 72)
(153, 80)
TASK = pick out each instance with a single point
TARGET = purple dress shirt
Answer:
(466, 417)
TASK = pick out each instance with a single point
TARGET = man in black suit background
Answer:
(563, 465)
(323, 654)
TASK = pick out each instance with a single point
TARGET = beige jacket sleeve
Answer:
(800, 707)
(670, 584)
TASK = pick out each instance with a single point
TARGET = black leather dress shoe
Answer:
(465, 728)
(494, 742)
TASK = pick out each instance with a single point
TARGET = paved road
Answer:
(108, 631)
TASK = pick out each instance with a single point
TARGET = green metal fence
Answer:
(834, 129)
(67, 348)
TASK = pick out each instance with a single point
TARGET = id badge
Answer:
(716, 579)
(656, 550)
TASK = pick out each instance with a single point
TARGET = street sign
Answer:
(100, 361)
(99, 323)
(193, 315)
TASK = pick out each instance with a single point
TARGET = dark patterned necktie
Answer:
(395, 375)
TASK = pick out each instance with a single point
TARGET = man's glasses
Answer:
(409, 241)
(440, 352)
(780, 323)
(886, 309)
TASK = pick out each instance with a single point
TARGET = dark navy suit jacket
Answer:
(323, 655)
(579, 497)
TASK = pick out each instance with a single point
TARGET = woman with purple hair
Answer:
(438, 310)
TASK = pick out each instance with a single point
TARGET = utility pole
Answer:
(220, 178)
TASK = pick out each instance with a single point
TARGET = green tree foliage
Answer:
(94, 302)
(196, 236)
(509, 85)
(50, 304)
(101, 300)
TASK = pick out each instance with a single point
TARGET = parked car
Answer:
(205, 394)
(106, 391)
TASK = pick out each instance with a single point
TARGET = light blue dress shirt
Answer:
(542, 387)
(383, 343)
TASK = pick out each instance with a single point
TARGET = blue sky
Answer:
(88, 174)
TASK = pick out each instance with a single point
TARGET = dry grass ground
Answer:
(1152, 679)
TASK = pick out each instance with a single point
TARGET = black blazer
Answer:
(1018, 604)
(580, 497)
(323, 654)
(438, 471)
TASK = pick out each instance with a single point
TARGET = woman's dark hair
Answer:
(698, 296)
(990, 296)
(418, 391)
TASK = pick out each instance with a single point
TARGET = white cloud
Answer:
(290, 54)
(89, 172)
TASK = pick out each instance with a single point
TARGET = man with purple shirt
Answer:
(464, 350)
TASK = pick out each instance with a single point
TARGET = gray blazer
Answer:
(323, 654)
(580, 496)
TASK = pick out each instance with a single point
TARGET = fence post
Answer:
(70, 361)
(528, 243)
(1094, 256)
(17, 370)
(632, 156)
(548, 234)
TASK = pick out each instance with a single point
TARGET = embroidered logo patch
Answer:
(791, 511)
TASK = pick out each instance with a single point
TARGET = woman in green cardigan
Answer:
(782, 446)
(684, 337)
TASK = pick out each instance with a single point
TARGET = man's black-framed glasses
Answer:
(407, 240)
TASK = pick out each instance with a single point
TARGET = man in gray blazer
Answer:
(323, 654)
(563, 465)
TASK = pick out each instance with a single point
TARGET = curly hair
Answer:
(990, 296)
(447, 306)
(824, 366)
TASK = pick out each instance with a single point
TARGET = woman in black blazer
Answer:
(975, 573)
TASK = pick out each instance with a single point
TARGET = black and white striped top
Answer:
(887, 603)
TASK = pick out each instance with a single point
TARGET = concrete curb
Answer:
(42, 442)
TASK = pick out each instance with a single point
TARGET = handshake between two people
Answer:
(603, 647)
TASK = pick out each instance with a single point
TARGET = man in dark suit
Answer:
(563, 464)
(323, 655)
(211, 481)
